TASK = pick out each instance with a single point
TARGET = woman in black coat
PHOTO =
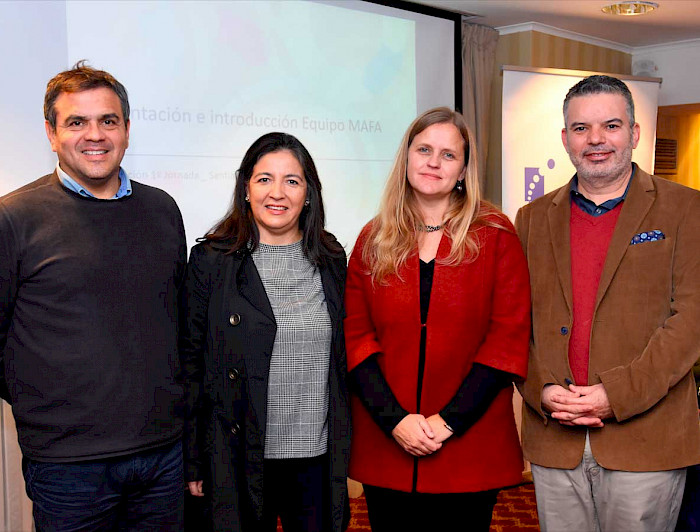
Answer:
(267, 428)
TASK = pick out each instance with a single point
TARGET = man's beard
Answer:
(603, 173)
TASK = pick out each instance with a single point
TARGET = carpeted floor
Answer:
(515, 511)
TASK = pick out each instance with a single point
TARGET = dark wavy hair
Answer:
(78, 79)
(238, 228)
(601, 84)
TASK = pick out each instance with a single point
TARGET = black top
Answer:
(477, 391)
(88, 320)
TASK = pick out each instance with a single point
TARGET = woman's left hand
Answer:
(414, 435)
(439, 428)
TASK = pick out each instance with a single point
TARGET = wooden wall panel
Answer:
(689, 150)
(682, 123)
(549, 51)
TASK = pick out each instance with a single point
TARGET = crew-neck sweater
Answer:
(88, 320)
(590, 239)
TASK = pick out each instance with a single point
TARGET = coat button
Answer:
(564, 331)
(234, 319)
(235, 428)
(233, 374)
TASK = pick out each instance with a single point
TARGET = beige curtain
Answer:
(478, 57)
(15, 507)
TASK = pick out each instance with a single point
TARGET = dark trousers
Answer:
(139, 492)
(298, 491)
(390, 510)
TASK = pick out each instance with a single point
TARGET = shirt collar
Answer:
(589, 206)
(71, 184)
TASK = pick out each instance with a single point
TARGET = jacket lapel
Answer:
(639, 200)
(332, 293)
(250, 286)
(559, 215)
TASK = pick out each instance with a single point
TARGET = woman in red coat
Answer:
(437, 328)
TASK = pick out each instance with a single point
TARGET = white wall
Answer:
(677, 65)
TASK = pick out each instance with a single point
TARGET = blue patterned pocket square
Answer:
(647, 236)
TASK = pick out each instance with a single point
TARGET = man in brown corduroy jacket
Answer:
(610, 415)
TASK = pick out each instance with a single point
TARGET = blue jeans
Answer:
(142, 491)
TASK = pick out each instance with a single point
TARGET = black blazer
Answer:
(226, 337)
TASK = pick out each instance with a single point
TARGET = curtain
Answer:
(478, 58)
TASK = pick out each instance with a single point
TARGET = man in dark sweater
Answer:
(610, 416)
(90, 267)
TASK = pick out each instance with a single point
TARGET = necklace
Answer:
(431, 228)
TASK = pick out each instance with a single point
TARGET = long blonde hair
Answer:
(392, 237)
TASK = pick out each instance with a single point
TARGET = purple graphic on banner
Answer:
(534, 182)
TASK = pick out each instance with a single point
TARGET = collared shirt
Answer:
(590, 207)
(72, 184)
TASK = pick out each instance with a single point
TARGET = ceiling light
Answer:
(630, 7)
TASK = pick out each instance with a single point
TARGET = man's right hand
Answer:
(571, 415)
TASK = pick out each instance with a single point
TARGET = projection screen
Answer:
(206, 78)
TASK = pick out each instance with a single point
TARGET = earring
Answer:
(460, 185)
(247, 198)
(306, 203)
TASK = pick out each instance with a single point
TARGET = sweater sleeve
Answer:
(478, 390)
(371, 387)
(8, 290)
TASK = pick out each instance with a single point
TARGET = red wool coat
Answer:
(479, 312)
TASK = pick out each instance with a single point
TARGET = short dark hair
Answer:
(78, 79)
(238, 227)
(599, 84)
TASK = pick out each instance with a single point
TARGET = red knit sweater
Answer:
(590, 238)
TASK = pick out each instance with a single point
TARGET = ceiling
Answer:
(673, 21)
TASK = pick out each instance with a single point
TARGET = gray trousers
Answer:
(594, 499)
